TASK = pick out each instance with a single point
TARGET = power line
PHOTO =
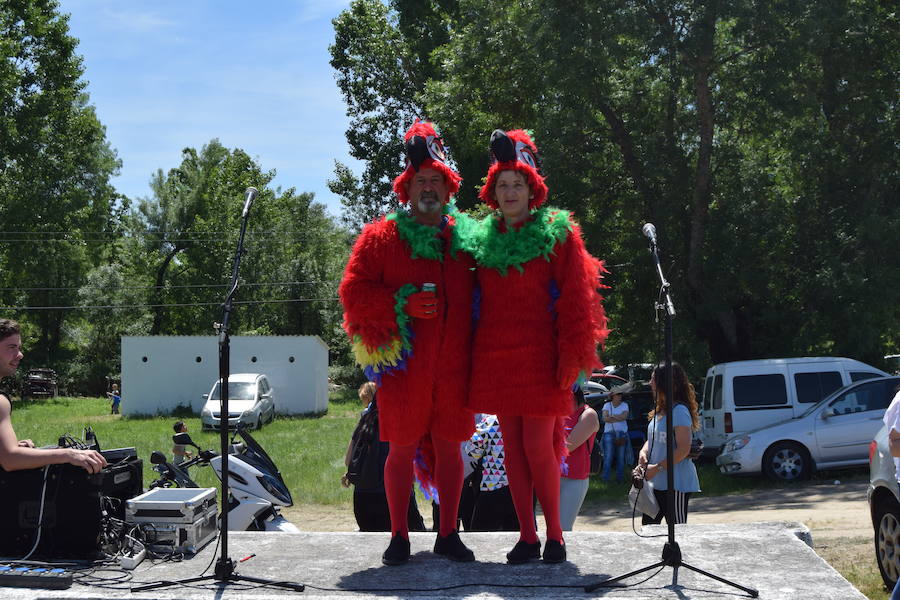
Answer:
(170, 287)
(273, 235)
(147, 232)
(187, 304)
(281, 238)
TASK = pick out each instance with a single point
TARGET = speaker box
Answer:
(121, 480)
(72, 508)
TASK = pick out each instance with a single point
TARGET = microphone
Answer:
(250, 195)
(650, 231)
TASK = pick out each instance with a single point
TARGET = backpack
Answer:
(365, 470)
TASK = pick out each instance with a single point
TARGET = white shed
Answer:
(160, 373)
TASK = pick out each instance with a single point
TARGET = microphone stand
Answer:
(671, 554)
(224, 571)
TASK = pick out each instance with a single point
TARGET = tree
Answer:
(170, 218)
(383, 55)
(745, 132)
(112, 308)
(294, 252)
(55, 167)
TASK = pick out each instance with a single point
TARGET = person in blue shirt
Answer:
(116, 398)
(652, 460)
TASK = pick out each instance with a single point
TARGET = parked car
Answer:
(251, 401)
(607, 380)
(40, 383)
(884, 507)
(744, 395)
(832, 433)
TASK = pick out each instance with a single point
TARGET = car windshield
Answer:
(827, 398)
(236, 391)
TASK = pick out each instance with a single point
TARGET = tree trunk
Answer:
(158, 311)
(703, 64)
(623, 140)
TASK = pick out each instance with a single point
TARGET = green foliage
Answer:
(55, 166)
(187, 235)
(69, 240)
(761, 141)
(384, 54)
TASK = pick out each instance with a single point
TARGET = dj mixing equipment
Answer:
(61, 507)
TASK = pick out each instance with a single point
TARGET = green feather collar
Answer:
(423, 239)
(514, 247)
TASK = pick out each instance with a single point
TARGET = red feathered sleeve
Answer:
(580, 318)
(369, 304)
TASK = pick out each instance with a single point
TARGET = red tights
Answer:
(532, 467)
(448, 477)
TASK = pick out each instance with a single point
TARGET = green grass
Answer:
(309, 451)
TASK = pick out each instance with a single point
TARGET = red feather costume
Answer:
(540, 319)
(534, 321)
(420, 363)
(427, 391)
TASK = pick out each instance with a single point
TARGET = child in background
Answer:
(115, 397)
(180, 453)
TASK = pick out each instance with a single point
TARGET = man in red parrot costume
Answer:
(414, 342)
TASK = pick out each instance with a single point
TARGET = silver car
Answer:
(832, 433)
(884, 506)
(251, 401)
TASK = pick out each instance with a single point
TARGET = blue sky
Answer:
(168, 74)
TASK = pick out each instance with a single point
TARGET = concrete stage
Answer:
(774, 558)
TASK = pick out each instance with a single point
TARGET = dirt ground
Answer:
(829, 510)
(837, 514)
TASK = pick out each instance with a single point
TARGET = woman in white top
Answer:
(615, 433)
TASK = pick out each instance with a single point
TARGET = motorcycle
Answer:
(256, 489)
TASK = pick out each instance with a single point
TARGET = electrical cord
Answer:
(37, 538)
(660, 343)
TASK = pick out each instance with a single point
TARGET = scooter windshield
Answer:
(254, 455)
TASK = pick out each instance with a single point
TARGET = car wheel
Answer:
(259, 422)
(787, 461)
(886, 519)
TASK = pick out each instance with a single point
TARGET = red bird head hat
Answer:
(424, 149)
(514, 150)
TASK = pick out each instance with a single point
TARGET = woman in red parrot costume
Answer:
(415, 344)
(539, 322)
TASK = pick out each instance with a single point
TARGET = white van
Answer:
(743, 395)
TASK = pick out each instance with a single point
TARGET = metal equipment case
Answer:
(175, 519)
(180, 537)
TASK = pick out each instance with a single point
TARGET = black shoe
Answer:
(522, 552)
(453, 548)
(554, 552)
(397, 551)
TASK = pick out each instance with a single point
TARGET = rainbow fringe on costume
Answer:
(392, 355)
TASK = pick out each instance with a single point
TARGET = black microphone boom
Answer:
(249, 196)
(650, 231)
